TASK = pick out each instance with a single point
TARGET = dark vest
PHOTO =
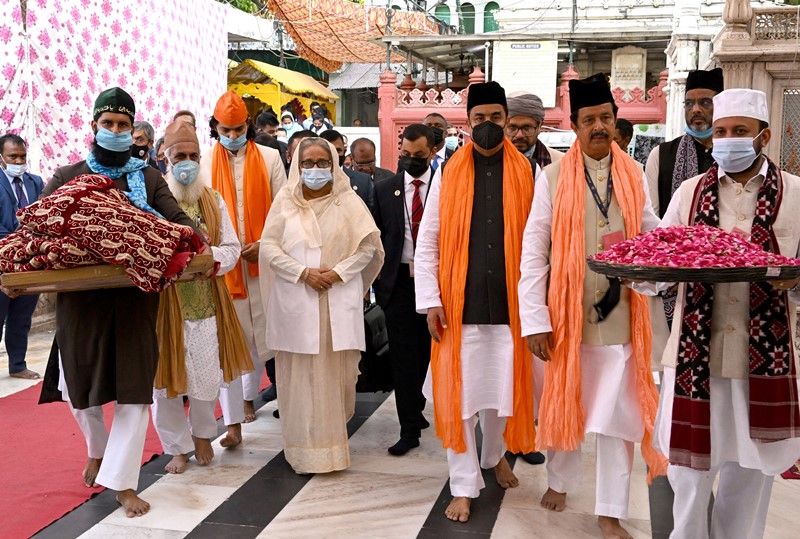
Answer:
(486, 297)
(667, 152)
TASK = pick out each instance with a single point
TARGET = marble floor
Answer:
(251, 492)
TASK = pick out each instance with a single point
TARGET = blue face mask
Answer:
(451, 143)
(316, 178)
(186, 171)
(735, 154)
(114, 142)
(233, 144)
(702, 135)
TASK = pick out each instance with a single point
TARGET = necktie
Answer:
(22, 199)
(435, 162)
(416, 211)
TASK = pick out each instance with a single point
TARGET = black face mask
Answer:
(487, 135)
(438, 135)
(341, 160)
(415, 166)
(162, 166)
(139, 152)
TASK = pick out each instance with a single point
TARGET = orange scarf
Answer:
(257, 201)
(561, 420)
(455, 214)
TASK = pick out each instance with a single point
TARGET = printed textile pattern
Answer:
(167, 54)
(90, 214)
(774, 412)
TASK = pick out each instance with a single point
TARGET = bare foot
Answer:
(203, 452)
(505, 476)
(177, 464)
(612, 529)
(233, 438)
(26, 374)
(555, 501)
(458, 509)
(249, 412)
(133, 505)
(90, 471)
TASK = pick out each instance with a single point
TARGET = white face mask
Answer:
(15, 171)
(735, 154)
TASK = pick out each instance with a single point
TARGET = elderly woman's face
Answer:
(313, 156)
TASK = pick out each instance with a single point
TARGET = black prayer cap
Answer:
(486, 93)
(589, 92)
(114, 100)
(708, 80)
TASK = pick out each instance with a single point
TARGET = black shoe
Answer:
(423, 423)
(533, 458)
(276, 414)
(403, 446)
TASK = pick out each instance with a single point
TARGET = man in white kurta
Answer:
(608, 388)
(489, 350)
(745, 467)
(202, 361)
(235, 130)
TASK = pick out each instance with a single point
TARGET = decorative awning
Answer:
(328, 33)
(253, 71)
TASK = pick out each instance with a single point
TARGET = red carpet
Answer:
(42, 460)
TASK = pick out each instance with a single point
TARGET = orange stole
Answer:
(561, 419)
(257, 201)
(455, 213)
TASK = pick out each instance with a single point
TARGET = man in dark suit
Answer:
(268, 123)
(360, 182)
(19, 188)
(363, 152)
(399, 205)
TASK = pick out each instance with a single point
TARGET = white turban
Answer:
(741, 102)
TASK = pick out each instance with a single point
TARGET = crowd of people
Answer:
(475, 245)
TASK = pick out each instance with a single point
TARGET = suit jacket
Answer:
(389, 214)
(33, 186)
(381, 174)
(362, 185)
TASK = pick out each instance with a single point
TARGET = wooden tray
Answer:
(661, 274)
(89, 277)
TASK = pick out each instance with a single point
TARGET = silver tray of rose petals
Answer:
(693, 254)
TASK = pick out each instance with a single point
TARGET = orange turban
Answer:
(230, 109)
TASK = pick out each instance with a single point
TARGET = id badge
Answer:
(741, 233)
(411, 269)
(609, 240)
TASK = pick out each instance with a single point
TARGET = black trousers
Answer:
(409, 352)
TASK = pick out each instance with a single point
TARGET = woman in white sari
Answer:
(319, 254)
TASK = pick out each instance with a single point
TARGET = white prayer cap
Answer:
(741, 102)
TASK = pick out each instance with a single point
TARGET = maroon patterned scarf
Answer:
(774, 413)
(541, 154)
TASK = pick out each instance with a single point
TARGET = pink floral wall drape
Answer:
(168, 54)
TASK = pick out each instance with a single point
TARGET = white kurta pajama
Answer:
(249, 310)
(745, 467)
(318, 336)
(487, 366)
(608, 395)
(203, 373)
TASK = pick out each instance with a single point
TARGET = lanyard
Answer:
(602, 206)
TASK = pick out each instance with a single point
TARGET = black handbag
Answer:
(376, 374)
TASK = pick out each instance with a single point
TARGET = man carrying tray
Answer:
(105, 347)
(729, 399)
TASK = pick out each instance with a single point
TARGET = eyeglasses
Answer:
(322, 163)
(527, 131)
(705, 103)
(364, 165)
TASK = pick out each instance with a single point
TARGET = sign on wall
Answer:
(527, 65)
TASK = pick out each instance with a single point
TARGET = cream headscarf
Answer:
(355, 223)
